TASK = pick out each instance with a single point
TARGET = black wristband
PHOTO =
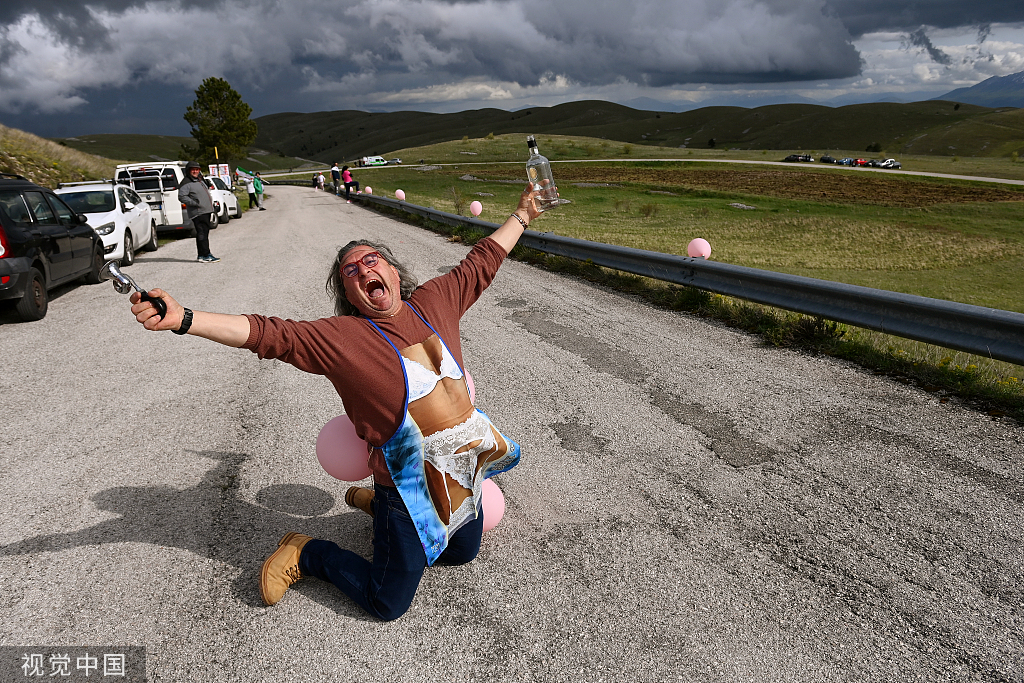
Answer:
(186, 322)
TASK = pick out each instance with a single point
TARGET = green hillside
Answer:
(46, 162)
(933, 127)
(129, 147)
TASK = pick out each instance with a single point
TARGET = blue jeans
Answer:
(385, 588)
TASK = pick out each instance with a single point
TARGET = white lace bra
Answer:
(422, 380)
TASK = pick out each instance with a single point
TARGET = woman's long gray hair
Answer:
(335, 284)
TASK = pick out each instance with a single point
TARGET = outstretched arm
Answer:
(511, 230)
(230, 330)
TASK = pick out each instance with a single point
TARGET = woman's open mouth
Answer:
(374, 290)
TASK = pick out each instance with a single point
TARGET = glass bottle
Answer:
(538, 170)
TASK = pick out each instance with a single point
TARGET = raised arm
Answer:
(512, 229)
(230, 330)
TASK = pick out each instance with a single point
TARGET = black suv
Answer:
(43, 243)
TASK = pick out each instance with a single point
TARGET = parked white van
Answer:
(157, 182)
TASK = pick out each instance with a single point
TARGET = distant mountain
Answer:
(761, 100)
(926, 127)
(998, 91)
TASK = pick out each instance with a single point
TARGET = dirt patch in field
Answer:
(842, 188)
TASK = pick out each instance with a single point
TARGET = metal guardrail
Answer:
(983, 331)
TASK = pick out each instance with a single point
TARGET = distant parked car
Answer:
(799, 157)
(225, 200)
(860, 162)
(827, 160)
(372, 161)
(43, 243)
(874, 163)
(891, 163)
(846, 161)
(121, 218)
(396, 160)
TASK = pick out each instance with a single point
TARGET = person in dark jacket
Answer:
(194, 194)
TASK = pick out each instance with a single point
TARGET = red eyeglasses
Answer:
(368, 260)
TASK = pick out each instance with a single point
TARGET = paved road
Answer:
(691, 505)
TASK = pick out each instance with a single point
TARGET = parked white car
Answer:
(121, 218)
(891, 163)
(227, 200)
(157, 183)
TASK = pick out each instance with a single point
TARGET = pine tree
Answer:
(219, 119)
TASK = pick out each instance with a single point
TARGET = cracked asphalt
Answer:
(691, 504)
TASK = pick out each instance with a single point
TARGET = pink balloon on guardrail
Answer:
(698, 248)
(400, 195)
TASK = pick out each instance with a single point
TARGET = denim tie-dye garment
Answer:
(409, 453)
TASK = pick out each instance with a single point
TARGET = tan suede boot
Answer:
(282, 568)
(361, 498)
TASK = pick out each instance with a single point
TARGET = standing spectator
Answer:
(250, 188)
(194, 194)
(319, 181)
(346, 175)
(257, 183)
(336, 178)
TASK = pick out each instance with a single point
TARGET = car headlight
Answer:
(105, 229)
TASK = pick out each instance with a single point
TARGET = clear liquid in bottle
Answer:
(538, 170)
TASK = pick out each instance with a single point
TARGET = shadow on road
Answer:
(210, 520)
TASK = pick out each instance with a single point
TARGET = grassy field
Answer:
(561, 148)
(945, 239)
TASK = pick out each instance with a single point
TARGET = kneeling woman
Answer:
(393, 353)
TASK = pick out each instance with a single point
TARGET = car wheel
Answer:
(154, 239)
(129, 249)
(214, 221)
(93, 276)
(226, 218)
(35, 300)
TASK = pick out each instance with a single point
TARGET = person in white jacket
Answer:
(250, 188)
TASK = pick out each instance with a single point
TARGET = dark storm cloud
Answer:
(919, 39)
(655, 42)
(62, 55)
(867, 16)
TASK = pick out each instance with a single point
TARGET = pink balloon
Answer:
(698, 247)
(368, 190)
(472, 387)
(341, 453)
(493, 503)
(475, 208)
(400, 195)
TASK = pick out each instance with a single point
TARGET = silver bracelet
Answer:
(521, 221)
